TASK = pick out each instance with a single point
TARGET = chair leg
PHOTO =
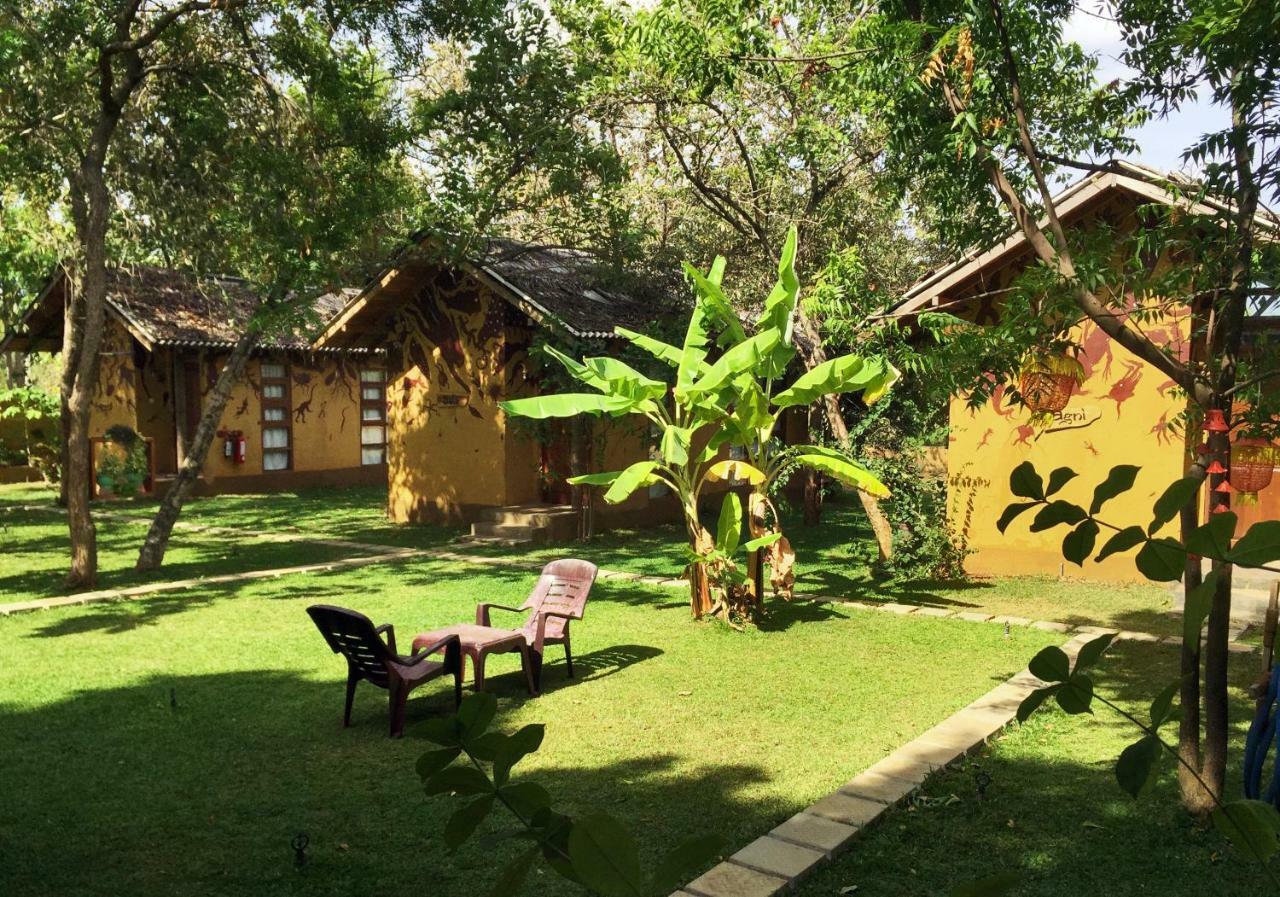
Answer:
(568, 656)
(398, 695)
(352, 679)
(477, 672)
(535, 665)
(526, 664)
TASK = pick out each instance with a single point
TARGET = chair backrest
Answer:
(354, 636)
(563, 588)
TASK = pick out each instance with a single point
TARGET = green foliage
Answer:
(27, 403)
(1253, 826)
(716, 400)
(595, 850)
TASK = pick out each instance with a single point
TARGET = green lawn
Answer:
(832, 559)
(1054, 813)
(174, 744)
(34, 557)
(835, 559)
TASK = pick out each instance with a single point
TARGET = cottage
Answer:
(301, 416)
(1124, 412)
(457, 337)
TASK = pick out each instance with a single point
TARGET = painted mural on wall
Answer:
(1125, 412)
(457, 349)
(115, 398)
(455, 341)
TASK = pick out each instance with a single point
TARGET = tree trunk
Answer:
(699, 590)
(1194, 797)
(812, 353)
(15, 367)
(83, 325)
(812, 482)
(157, 541)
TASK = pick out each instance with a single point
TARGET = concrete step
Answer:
(509, 532)
(528, 515)
(1248, 605)
(559, 523)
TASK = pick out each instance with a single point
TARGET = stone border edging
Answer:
(779, 859)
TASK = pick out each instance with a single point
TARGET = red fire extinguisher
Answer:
(235, 447)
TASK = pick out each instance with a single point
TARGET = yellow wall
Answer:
(450, 364)
(115, 399)
(155, 408)
(1119, 415)
(325, 414)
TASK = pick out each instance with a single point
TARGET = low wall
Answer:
(19, 473)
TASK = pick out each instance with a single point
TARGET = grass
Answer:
(35, 540)
(34, 559)
(175, 744)
(1054, 813)
(834, 559)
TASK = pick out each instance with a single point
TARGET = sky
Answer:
(1160, 141)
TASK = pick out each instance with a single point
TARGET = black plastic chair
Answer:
(354, 636)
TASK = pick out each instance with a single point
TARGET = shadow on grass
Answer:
(1053, 812)
(197, 784)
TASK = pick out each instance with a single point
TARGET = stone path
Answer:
(774, 862)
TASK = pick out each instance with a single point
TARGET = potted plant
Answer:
(123, 466)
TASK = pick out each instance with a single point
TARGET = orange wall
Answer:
(325, 405)
(115, 399)
(155, 408)
(325, 413)
(450, 365)
(1119, 415)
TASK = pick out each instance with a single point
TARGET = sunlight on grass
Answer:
(1054, 812)
(215, 717)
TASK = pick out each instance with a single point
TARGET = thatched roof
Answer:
(565, 288)
(166, 307)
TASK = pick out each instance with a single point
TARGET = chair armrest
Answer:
(451, 645)
(387, 630)
(542, 625)
(482, 612)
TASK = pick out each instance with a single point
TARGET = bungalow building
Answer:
(1125, 411)
(301, 416)
(457, 337)
(401, 386)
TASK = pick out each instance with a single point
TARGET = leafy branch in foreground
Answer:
(595, 851)
(1251, 825)
(1160, 558)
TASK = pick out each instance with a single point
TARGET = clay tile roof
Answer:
(570, 286)
(168, 307)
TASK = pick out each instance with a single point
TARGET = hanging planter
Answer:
(1252, 465)
(1048, 381)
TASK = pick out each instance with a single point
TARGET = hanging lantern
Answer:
(1048, 381)
(1215, 421)
(1215, 466)
(1252, 464)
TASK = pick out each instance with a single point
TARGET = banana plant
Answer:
(720, 394)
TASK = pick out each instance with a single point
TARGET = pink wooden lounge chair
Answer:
(559, 597)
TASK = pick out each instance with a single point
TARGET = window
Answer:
(277, 435)
(373, 417)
